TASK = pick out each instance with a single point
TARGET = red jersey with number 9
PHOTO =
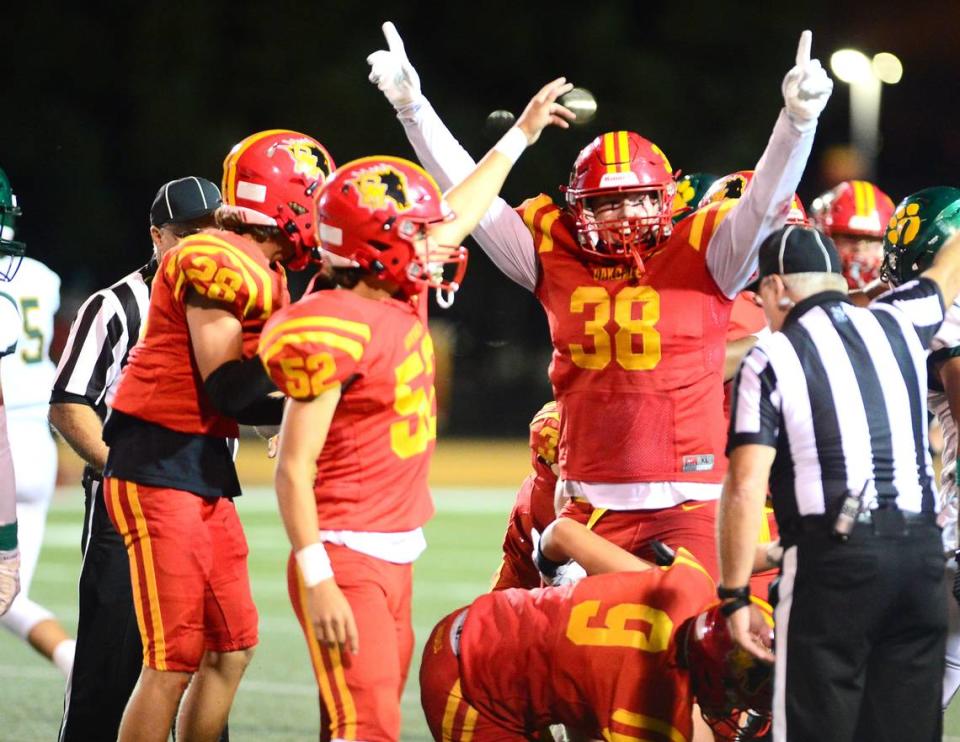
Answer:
(598, 655)
(372, 472)
(161, 383)
(637, 365)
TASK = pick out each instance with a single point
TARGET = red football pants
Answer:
(449, 716)
(188, 570)
(691, 524)
(360, 693)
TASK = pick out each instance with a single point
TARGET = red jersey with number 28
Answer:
(599, 655)
(372, 472)
(637, 358)
(161, 383)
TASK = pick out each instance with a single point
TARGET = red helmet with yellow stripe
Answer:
(544, 436)
(621, 163)
(734, 185)
(274, 177)
(855, 213)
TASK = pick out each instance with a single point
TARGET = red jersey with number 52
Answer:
(637, 365)
(161, 383)
(599, 655)
(372, 472)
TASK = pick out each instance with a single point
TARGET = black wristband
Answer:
(733, 592)
(733, 606)
(547, 567)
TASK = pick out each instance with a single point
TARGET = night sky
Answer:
(100, 107)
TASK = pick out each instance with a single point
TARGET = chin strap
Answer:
(446, 297)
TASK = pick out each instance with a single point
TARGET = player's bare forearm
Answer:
(735, 352)
(302, 437)
(566, 539)
(216, 335)
(471, 198)
(740, 512)
(82, 430)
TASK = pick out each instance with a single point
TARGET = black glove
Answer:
(663, 555)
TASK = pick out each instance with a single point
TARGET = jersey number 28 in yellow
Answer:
(621, 346)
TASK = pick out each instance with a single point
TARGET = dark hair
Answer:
(233, 222)
(347, 278)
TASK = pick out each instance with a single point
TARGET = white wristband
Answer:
(512, 144)
(314, 564)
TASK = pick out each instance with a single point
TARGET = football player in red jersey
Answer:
(169, 478)
(637, 307)
(360, 427)
(615, 656)
(855, 214)
(533, 509)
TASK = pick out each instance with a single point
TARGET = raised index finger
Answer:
(395, 43)
(803, 48)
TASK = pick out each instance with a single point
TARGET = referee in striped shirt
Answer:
(109, 652)
(830, 410)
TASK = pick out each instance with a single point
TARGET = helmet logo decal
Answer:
(685, 194)
(381, 185)
(904, 225)
(666, 162)
(308, 159)
(734, 187)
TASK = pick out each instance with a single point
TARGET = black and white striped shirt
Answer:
(840, 392)
(107, 326)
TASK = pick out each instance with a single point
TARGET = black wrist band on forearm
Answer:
(733, 606)
(733, 592)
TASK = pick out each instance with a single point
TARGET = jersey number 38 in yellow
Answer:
(621, 346)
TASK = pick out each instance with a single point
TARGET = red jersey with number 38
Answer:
(161, 383)
(372, 472)
(637, 365)
(598, 655)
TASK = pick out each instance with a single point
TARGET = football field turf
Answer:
(277, 698)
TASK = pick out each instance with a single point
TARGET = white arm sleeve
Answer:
(501, 232)
(733, 247)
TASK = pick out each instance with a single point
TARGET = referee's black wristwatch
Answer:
(735, 597)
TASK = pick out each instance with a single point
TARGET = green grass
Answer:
(277, 699)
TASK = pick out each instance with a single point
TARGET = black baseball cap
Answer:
(184, 200)
(794, 249)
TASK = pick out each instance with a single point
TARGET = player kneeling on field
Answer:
(615, 656)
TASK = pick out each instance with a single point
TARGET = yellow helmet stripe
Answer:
(859, 206)
(610, 151)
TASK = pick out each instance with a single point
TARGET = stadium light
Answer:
(866, 78)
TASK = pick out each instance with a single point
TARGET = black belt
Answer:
(824, 523)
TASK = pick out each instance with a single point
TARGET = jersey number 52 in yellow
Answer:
(621, 345)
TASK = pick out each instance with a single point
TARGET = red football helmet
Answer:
(734, 690)
(855, 213)
(734, 185)
(544, 436)
(373, 211)
(274, 177)
(621, 163)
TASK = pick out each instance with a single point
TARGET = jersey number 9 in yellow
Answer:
(649, 631)
(412, 434)
(621, 346)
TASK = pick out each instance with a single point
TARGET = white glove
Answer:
(392, 72)
(806, 88)
(9, 578)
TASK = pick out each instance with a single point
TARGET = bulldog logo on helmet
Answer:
(379, 186)
(308, 159)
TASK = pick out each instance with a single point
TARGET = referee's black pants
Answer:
(109, 653)
(860, 634)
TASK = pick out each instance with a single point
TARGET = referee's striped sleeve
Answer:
(920, 302)
(755, 409)
(93, 353)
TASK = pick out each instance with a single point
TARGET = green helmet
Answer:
(690, 189)
(11, 251)
(919, 227)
